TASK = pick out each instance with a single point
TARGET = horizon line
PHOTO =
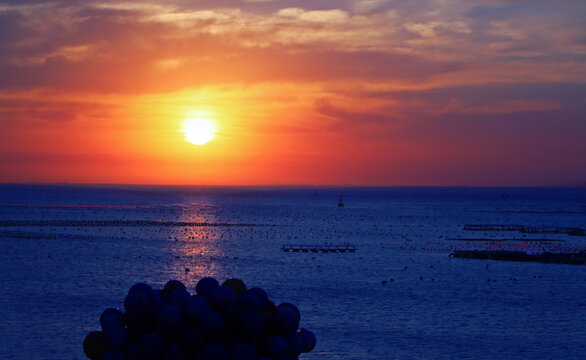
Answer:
(576, 185)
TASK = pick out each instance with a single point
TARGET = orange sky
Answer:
(369, 92)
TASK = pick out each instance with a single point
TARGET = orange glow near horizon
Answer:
(368, 93)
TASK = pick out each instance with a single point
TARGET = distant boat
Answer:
(340, 204)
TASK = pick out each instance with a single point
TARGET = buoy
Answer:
(179, 298)
(249, 302)
(113, 355)
(94, 346)
(110, 317)
(287, 321)
(236, 285)
(191, 341)
(254, 324)
(233, 318)
(243, 352)
(294, 345)
(309, 340)
(214, 351)
(170, 316)
(195, 306)
(136, 302)
(180, 326)
(171, 286)
(222, 297)
(151, 346)
(260, 294)
(115, 338)
(133, 352)
(211, 323)
(277, 346)
(174, 352)
(205, 286)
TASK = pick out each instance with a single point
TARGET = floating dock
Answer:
(321, 248)
(578, 258)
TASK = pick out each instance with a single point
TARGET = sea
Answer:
(67, 252)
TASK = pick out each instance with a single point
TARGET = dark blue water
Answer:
(58, 276)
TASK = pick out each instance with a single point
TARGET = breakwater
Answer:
(578, 258)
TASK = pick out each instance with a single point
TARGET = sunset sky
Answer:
(321, 92)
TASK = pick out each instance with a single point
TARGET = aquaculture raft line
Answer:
(527, 229)
(80, 223)
(323, 248)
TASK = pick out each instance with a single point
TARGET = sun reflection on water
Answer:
(197, 250)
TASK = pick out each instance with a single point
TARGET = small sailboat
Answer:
(340, 204)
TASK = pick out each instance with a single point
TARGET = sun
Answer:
(199, 131)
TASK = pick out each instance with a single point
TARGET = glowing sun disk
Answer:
(198, 131)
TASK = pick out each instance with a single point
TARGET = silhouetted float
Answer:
(217, 322)
(578, 258)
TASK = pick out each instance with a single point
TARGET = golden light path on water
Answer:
(196, 249)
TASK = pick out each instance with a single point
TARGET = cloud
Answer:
(367, 6)
(35, 110)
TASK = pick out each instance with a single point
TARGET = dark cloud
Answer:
(351, 120)
(16, 113)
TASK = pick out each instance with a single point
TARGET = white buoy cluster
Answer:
(219, 322)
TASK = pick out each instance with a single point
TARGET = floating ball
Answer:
(170, 316)
(171, 286)
(142, 287)
(133, 352)
(293, 308)
(308, 338)
(254, 324)
(270, 306)
(151, 346)
(287, 321)
(277, 346)
(211, 323)
(205, 286)
(113, 355)
(94, 345)
(179, 298)
(136, 302)
(222, 297)
(214, 351)
(174, 352)
(218, 323)
(242, 352)
(111, 316)
(195, 306)
(115, 338)
(236, 285)
(233, 317)
(260, 294)
(249, 302)
(139, 324)
(295, 345)
(191, 341)
(155, 305)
